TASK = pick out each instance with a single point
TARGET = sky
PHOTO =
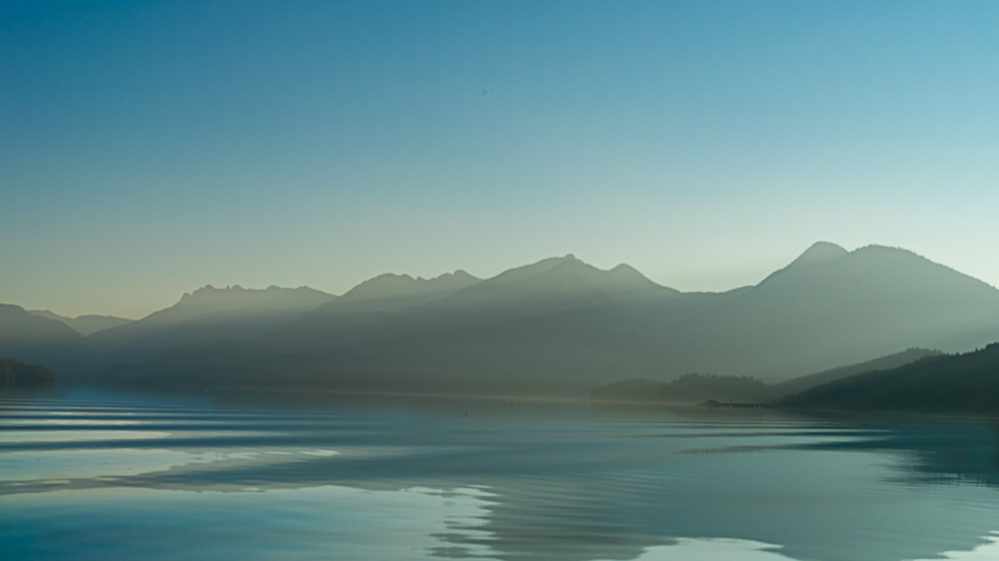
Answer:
(149, 148)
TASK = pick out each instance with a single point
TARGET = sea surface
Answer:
(86, 475)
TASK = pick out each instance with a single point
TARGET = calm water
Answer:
(103, 477)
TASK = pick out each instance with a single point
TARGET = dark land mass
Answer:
(800, 384)
(739, 390)
(16, 374)
(965, 383)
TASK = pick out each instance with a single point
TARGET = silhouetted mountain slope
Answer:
(802, 383)
(16, 323)
(698, 388)
(963, 383)
(829, 308)
(85, 324)
(25, 336)
(207, 313)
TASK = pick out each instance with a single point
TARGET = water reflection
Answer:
(984, 552)
(494, 480)
(329, 522)
(721, 549)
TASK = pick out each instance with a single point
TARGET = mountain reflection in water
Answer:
(104, 477)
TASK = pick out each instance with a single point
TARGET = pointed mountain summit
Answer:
(879, 271)
(848, 308)
(627, 274)
(820, 252)
(557, 282)
(400, 307)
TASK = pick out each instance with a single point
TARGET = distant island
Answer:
(16, 374)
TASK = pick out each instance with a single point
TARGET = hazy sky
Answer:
(148, 148)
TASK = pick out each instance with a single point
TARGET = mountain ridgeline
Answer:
(85, 324)
(207, 314)
(32, 338)
(556, 327)
(965, 383)
(743, 390)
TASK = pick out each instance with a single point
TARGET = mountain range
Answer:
(85, 324)
(558, 326)
(206, 314)
(35, 339)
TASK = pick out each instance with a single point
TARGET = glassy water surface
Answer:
(110, 477)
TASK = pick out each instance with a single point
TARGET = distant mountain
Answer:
(831, 307)
(393, 293)
(25, 336)
(699, 388)
(370, 310)
(85, 324)
(562, 326)
(205, 314)
(552, 285)
(802, 383)
(961, 383)
(538, 319)
(209, 301)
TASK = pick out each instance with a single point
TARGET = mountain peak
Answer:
(626, 271)
(820, 252)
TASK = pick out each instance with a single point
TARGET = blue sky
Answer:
(148, 148)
